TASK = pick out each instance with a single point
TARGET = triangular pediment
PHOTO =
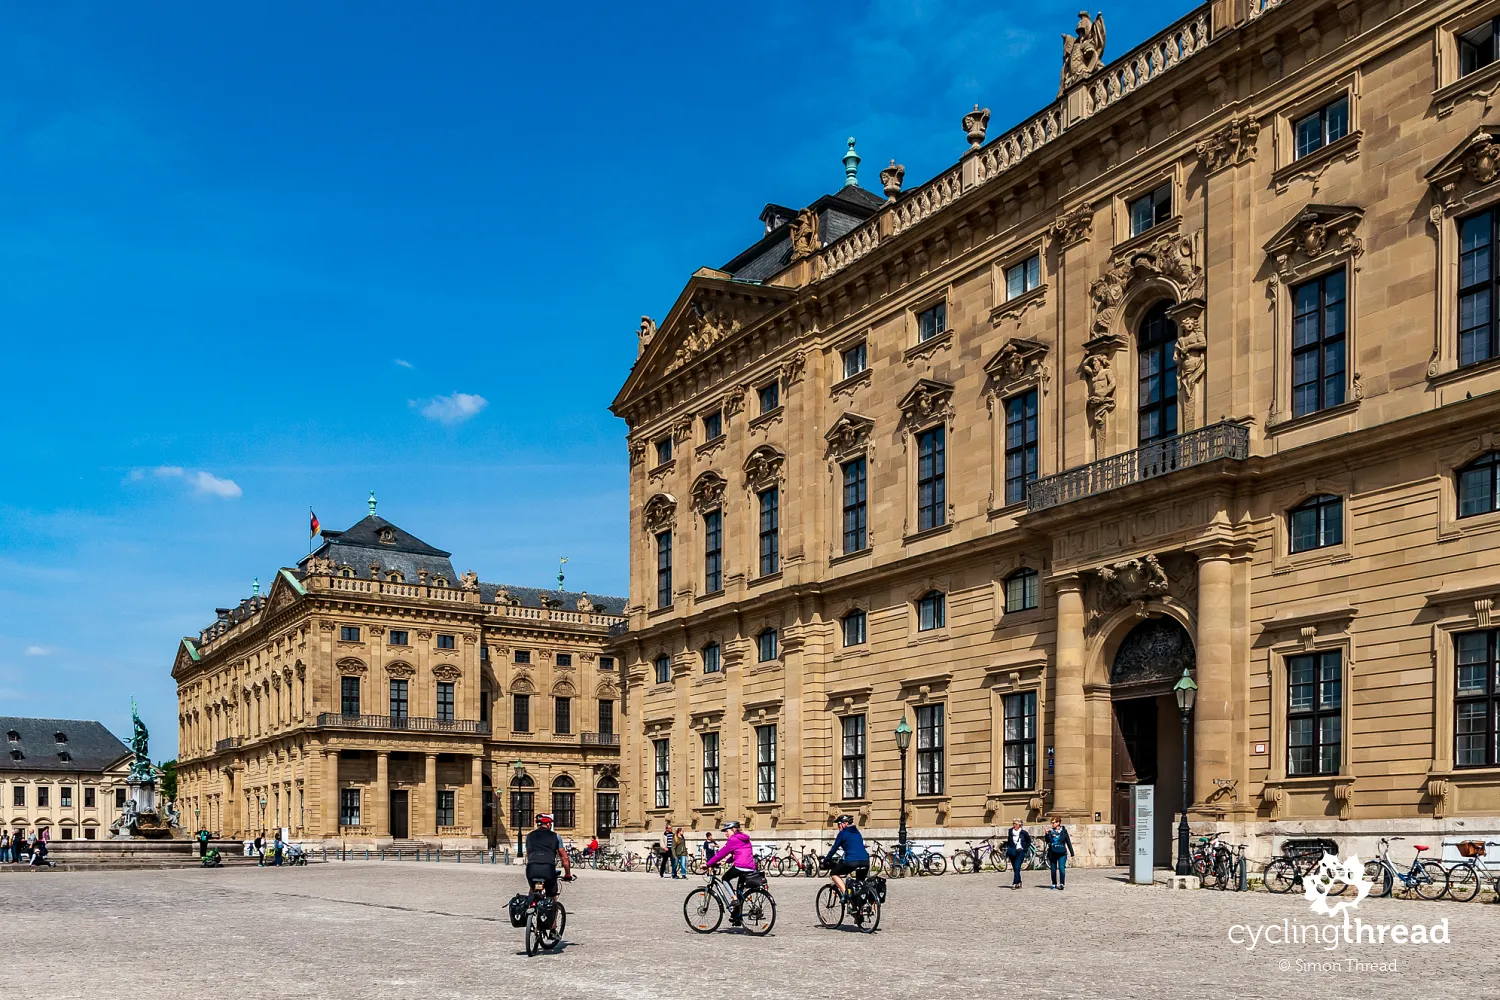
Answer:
(285, 590)
(1472, 148)
(1013, 360)
(713, 311)
(1317, 236)
(1305, 224)
(187, 657)
(925, 400)
(850, 433)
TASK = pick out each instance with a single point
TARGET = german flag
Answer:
(313, 524)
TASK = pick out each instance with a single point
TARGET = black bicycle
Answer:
(544, 917)
(861, 901)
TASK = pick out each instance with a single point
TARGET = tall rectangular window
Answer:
(398, 699)
(664, 570)
(710, 769)
(854, 359)
(520, 713)
(1315, 689)
(1318, 343)
(769, 396)
(664, 450)
(1323, 127)
(713, 552)
(1477, 337)
(348, 807)
(606, 717)
(564, 812)
(444, 808)
(931, 502)
(348, 633)
(1020, 445)
(1023, 277)
(1019, 741)
(349, 695)
(931, 322)
(445, 701)
(930, 749)
(88, 798)
(770, 531)
(119, 798)
(1476, 47)
(1151, 210)
(663, 665)
(855, 513)
(713, 426)
(1477, 691)
(661, 753)
(1317, 522)
(854, 627)
(765, 763)
(18, 796)
(43, 796)
(712, 661)
(66, 796)
(853, 753)
(562, 716)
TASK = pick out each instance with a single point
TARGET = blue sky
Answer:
(263, 259)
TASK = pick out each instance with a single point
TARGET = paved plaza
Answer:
(409, 930)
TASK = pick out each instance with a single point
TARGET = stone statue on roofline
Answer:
(1083, 54)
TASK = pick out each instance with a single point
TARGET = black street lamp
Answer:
(515, 808)
(903, 742)
(1186, 692)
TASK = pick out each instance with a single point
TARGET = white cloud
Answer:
(168, 471)
(37, 650)
(207, 482)
(403, 363)
(453, 409)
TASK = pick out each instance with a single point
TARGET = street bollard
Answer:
(1244, 871)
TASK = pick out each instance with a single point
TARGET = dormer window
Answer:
(13, 736)
(388, 536)
(64, 756)
(17, 755)
(60, 736)
(346, 572)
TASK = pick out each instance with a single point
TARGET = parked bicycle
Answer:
(1426, 876)
(860, 901)
(792, 864)
(704, 907)
(915, 861)
(1287, 871)
(1466, 877)
(972, 857)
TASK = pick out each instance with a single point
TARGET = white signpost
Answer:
(1144, 857)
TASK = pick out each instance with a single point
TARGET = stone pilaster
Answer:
(380, 810)
(1068, 736)
(429, 797)
(1213, 713)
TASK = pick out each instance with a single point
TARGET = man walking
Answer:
(1017, 845)
(665, 858)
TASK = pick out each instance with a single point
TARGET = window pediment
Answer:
(1018, 363)
(763, 468)
(659, 513)
(926, 401)
(708, 491)
(1319, 234)
(1465, 172)
(849, 435)
(1170, 260)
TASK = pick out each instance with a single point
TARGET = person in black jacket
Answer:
(1059, 847)
(1017, 845)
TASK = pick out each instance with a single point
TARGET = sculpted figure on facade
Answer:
(805, 240)
(849, 434)
(1191, 356)
(1231, 145)
(659, 513)
(1083, 52)
(925, 401)
(708, 491)
(1169, 258)
(704, 328)
(1097, 371)
(469, 580)
(645, 335)
(762, 467)
(1130, 581)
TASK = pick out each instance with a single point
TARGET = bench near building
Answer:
(1196, 369)
(374, 696)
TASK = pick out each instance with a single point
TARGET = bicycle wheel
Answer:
(877, 864)
(867, 914)
(758, 912)
(996, 861)
(964, 863)
(1463, 882)
(934, 864)
(552, 936)
(830, 906)
(1280, 876)
(532, 939)
(775, 867)
(1377, 873)
(703, 910)
(810, 866)
(1432, 881)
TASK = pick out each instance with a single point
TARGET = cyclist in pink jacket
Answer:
(738, 848)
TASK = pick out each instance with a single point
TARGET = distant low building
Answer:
(375, 695)
(62, 776)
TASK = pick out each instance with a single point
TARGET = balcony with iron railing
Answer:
(408, 723)
(601, 739)
(1200, 447)
(228, 743)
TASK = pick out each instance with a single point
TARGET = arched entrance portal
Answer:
(1148, 728)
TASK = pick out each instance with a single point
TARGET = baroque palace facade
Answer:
(1196, 370)
(376, 696)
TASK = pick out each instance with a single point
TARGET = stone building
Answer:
(375, 695)
(62, 776)
(1194, 369)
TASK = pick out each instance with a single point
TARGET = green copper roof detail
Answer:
(851, 166)
(372, 503)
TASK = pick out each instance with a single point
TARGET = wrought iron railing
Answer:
(228, 743)
(619, 628)
(1207, 444)
(601, 739)
(328, 720)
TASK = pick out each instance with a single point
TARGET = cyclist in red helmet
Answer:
(543, 849)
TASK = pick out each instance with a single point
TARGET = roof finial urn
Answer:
(851, 166)
(975, 124)
(890, 179)
(372, 503)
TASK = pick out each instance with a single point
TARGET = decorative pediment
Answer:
(926, 401)
(763, 468)
(1019, 361)
(400, 669)
(1468, 170)
(660, 512)
(521, 684)
(705, 327)
(349, 665)
(849, 435)
(1319, 233)
(708, 491)
(1171, 260)
(446, 672)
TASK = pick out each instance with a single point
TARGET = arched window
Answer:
(1021, 590)
(854, 627)
(564, 781)
(1479, 486)
(711, 658)
(1156, 371)
(931, 611)
(564, 803)
(663, 665)
(765, 645)
(1317, 522)
(608, 781)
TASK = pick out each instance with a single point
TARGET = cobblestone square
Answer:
(358, 929)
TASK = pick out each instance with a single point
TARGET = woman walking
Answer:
(679, 854)
(1059, 847)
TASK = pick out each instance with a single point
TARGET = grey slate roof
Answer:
(565, 600)
(838, 214)
(405, 553)
(89, 744)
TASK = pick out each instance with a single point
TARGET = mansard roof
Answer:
(88, 745)
(376, 540)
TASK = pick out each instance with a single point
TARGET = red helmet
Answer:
(543, 818)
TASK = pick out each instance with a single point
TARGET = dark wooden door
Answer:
(399, 823)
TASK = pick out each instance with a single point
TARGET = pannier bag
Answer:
(518, 910)
(546, 910)
(757, 880)
(1471, 848)
(877, 886)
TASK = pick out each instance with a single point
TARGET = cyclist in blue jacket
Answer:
(855, 860)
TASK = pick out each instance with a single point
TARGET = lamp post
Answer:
(515, 808)
(262, 814)
(1186, 692)
(903, 742)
